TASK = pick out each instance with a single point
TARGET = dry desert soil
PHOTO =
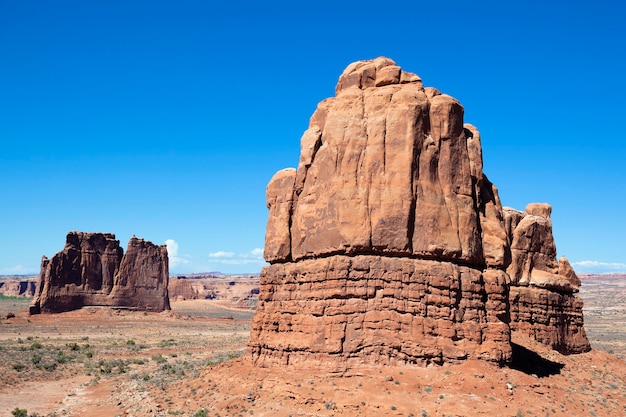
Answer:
(188, 362)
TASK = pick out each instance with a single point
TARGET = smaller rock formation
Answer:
(92, 270)
(18, 286)
(182, 289)
(541, 295)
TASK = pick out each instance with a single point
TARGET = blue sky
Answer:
(166, 119)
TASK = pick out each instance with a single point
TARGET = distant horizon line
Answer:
(217, 273)
(170, 274)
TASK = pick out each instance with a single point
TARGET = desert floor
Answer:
(188, 362)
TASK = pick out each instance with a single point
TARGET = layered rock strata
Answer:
(388, 243)
(92, 270)
(542, 291)
(18, 287)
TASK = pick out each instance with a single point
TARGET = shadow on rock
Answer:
(529, 362)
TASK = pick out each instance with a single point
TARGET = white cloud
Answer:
(221, 254)
(16, 270)
(172, 247)
(253, 257)
(599, 267)
(172, 253)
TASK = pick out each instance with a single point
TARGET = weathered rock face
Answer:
(93, 270)
(543, 304)
(18, 287)
(551, 317)
(344, 310)
(182, 289)
(388, 243)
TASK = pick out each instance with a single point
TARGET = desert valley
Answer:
(398, 284)
(103, 362)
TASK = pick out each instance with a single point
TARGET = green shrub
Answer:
(18, 367)
(19, 412)
(158, 358)
(63, 358)
(51, 366)
(166, 343)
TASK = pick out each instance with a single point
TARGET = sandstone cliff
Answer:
(16, 286)
(92, 270)
(389, 244)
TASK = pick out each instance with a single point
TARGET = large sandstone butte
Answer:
(389, 245)
(93, 270)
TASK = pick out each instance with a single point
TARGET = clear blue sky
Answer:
(166, 119)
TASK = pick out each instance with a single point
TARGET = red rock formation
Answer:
(18, 287)
(92, 270)
(182, 289)
(344, 310)
(543, 304)
(388, 243)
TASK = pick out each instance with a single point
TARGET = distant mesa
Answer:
(240, 291)
(18, 286)
(389, 245)
(93, 270)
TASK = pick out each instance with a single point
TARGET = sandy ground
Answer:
(102, 362)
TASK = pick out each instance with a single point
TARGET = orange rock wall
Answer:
(379, 310)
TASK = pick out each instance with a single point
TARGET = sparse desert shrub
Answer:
(166, 343)
(158, 358)
(107, 367)
(428, 389)
(130, 342)
(18, 367)
(173, 369)
(49, 366)
(35, 345)
(19, 412)
(73, 346)
(63, 358)
(35, 359)
(201, 413)
(219, 359)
